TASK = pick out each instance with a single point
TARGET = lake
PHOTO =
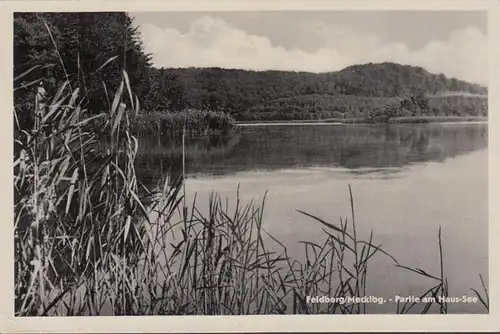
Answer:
(406, 179)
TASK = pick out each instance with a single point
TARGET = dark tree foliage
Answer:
(391, 79)
(34, 59)
(360, 107)
(163, 91)
(55, 47)
(353, 92)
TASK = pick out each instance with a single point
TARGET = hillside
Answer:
(390, 79)
(356, 91)
(351, 92)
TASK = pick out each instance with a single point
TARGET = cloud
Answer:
(212, 42)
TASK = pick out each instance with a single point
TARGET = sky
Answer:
(450, 42)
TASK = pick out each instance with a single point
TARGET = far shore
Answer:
(395, 120)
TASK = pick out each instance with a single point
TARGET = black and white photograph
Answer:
(228, 163)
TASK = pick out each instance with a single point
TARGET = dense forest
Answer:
(354, 92)
(316, 106)
(91, 49)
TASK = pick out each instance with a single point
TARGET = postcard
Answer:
(249, 166)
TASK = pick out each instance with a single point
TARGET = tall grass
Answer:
(91, 240)
(172, 124)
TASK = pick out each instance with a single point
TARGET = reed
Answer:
(196, 122)
(91, 240)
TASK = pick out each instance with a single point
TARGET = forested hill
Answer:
(390, 79)
(238, 91)
(92, 49)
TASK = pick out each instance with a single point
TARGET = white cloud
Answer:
(211, 42)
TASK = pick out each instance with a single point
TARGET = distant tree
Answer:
(407, 104)
(420, 100)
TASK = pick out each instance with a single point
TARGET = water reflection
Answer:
(360, 149)
(161, 156)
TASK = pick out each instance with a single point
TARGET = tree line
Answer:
(91, 50)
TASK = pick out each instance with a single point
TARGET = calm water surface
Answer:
(407, 180)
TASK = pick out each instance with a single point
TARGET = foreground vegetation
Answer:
(90, 239)
(88, 244)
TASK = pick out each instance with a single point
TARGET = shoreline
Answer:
(397, 120)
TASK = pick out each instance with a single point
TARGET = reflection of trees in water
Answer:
(356, 146)
(351, 146)
(159, 156)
